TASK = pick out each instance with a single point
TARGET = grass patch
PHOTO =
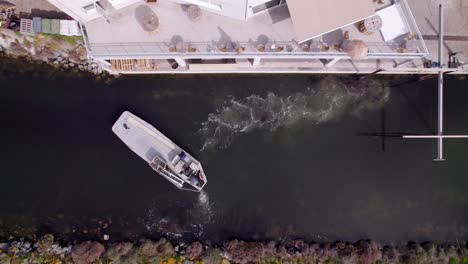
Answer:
(27, 43)
(72, 40)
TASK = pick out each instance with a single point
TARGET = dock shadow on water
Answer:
(324, 100)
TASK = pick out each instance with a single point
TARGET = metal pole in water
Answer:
(440, 98)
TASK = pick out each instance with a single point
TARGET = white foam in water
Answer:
(181, 218)
(327, 100)
(205, 206)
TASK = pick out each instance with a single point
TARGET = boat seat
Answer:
(175, 160)
(194, 166)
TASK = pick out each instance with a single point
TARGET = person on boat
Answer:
(182, 155)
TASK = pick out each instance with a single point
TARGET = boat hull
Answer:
(150, 144)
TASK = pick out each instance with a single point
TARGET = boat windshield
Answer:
(189, 169)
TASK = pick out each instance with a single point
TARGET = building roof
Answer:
(5, 4)
(313, 18)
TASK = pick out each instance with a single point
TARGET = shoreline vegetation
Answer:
(48, 250)
(66, 52)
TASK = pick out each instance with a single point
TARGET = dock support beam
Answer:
(181, 62)
(256, 61)
(104, 62)
(440, 89)
(332, 62)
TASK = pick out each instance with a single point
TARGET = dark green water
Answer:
(284, 155)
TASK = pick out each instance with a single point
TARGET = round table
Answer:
(370, 25)
(147, 18)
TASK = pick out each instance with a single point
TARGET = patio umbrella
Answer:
(193, 12)
(147, 19)
(357, 49)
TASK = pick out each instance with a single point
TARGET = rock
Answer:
(194, 250)
(87, 252)
(269, 250)
(149, 248)
(3, 246)
(56, 62)
(80, 67)
(90, 68)
(99, 71)
(64, 54)
(71, 64)
(212, 256)
(44, 245)
(244, 252)
(164, 248)
(59, 59)
(368, 251)
(283, 252)
(117, 251)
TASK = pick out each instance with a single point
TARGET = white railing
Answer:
(194, 50)
(156, 165)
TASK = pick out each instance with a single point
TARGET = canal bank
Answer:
(46, 250)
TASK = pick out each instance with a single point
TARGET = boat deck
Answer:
(144, 140)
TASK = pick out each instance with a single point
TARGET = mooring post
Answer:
(440, 93)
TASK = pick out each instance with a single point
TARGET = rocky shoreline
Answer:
(56, 50)
(48, 250)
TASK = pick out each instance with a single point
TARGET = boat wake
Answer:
(323, 101)
(204, 207)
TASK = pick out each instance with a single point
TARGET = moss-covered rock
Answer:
(87, 252)
(117, 251)
(44, 244)
(194, 250)
(212, 256)
(244, 252)
(164, 248)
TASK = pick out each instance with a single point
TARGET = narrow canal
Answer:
(286, 156)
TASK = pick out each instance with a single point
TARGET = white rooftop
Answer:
(313, 18)
(174, 23)
(122, 35)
